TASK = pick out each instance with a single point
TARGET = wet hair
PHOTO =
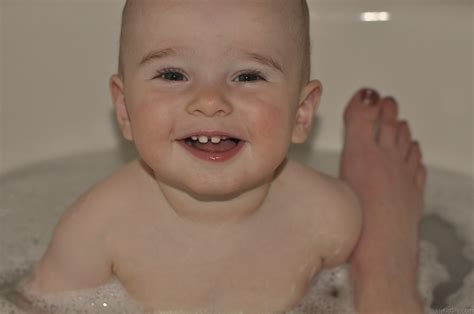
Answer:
(303, 39)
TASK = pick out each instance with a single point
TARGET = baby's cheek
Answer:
(273, 136)
(274, 123)
(150, 129)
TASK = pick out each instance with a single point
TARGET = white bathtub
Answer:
(57, 56)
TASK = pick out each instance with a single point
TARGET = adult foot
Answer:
(382, 164)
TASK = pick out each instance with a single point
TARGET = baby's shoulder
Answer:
(329, 206)
(109, 197)
(317, 187)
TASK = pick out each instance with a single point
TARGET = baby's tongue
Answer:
(223, 146)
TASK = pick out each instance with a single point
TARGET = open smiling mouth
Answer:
(212, 148)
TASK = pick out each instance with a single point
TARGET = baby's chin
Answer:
(217, 192)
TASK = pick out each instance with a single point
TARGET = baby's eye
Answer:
(171, 75)
(249, 77)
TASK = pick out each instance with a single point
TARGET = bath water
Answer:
(32, 200)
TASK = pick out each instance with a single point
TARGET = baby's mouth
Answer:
(212, 144)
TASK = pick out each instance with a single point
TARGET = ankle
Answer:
(380, 260)
(383, 291)
(403, 278)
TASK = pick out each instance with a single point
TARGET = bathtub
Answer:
(58, 131)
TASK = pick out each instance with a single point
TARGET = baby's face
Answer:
(223, 71)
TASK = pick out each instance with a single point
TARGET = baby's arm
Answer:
(343, 226)
(77, 256)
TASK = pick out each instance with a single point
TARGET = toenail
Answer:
(392, 99)
(369, 96)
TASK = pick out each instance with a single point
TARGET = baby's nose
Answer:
(209, 102)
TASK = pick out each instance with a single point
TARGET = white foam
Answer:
(452, 198)
(109, 298)
(7, 307)
(463, 298)
(431, 272)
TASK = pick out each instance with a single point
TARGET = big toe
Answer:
(362, 112)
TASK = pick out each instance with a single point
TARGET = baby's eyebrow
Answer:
(158, 54)
(268, 61)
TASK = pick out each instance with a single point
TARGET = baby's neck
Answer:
(226, 210)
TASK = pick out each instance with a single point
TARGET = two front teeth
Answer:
(204, 139)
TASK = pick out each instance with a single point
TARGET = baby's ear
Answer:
(308, 104)
(121, 113)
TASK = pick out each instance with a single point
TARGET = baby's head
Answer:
(232, 71)
(297, 20)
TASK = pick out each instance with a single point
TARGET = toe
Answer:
(388, 134)
(403, 138)
(388, 128)
(369, 96)
(414, 156)
(420, 177)
(360, 105)
(389, 109)
(362, 113)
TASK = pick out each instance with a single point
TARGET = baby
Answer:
(212, 215)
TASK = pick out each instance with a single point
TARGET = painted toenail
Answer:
(369, 96)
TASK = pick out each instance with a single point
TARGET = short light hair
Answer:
(303, 37)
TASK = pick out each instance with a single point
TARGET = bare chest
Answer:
(265, 271)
